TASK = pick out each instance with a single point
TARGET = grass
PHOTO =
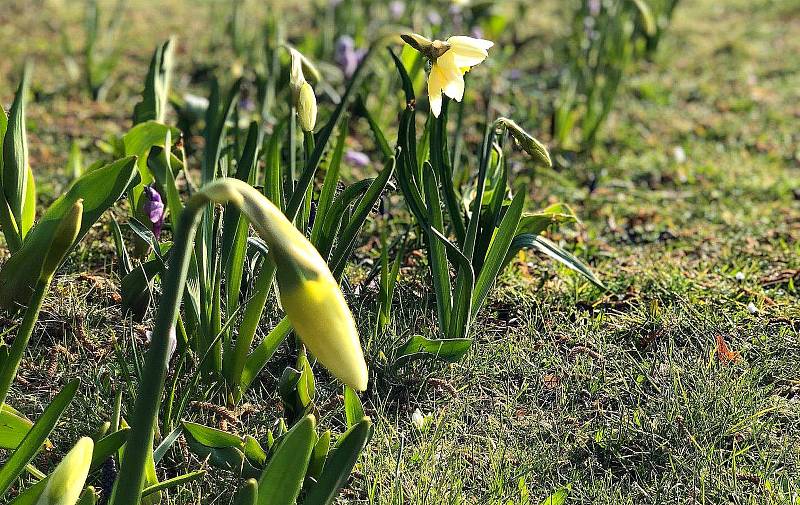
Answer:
(624, 397)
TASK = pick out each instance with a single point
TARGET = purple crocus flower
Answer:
(397, 8)
(347, 56)
(153, 208)
(356, 158)
(435, 19)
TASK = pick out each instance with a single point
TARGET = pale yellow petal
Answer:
(470, 42)
(467, 52)
(435, 84)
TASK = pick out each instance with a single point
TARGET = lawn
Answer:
(677, 383)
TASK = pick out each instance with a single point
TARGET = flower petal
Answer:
(436, 81)
(468, 52)
(470, 42)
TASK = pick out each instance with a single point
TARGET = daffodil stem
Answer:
(128, 488)
(296, 202)
(9, 371)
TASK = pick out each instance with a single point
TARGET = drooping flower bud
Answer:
(309, 294)
(302, 93)
(63, 239)
(311, 298)
(65, 484)
(307, 108)
(527, 142)
(153, 208)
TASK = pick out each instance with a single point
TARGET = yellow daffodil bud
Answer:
(65, 484)
(307, 108)
(320, 316)
(63, 239)
(450, 60)
(309, 294)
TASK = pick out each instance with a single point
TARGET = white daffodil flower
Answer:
(450, 60)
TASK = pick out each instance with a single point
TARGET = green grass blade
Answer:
(173, 482)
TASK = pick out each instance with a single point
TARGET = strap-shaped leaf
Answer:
(107, 446)
(282, 479)
(257, 360)
(319, 455)
(13, 427)
(491, 214)
(340, 463)
(273, 175)
(333, 218)
(38, 433)
(353, 410)
(377, 132)
(440, 161)
(166, 444)
(15, 156)
(445, 349)
(329, 185)
(235, 227)
(408, 86)
(99, 189)
(498, 249)
(156, 85)
(555, 252)
(347, 238)
(437, 257)
(217, 118)
(173, 482)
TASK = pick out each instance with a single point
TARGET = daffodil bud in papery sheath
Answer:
(307, 108)
(63, 239)
(65, 484)
(296, 77)
(527, 142)
(309, 294)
